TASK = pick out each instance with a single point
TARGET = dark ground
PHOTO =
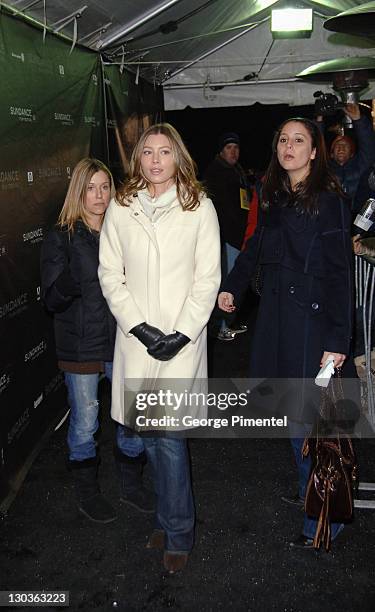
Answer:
(241, 560)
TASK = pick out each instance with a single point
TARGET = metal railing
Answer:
(364, 298)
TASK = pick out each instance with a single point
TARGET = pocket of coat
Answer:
(314, 306)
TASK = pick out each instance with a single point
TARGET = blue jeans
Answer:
(175, 507)
(229, 256)
(83, 422)
(303, 463)
(304, 466)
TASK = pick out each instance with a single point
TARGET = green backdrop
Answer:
(54, 109)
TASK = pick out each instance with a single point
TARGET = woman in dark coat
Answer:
(85, 336)
(303, 245)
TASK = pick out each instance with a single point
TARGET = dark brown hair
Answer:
(276, 185)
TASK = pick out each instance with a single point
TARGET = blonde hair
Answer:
(74, 203)
(188, 187)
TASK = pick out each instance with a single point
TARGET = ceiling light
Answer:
(291, 23)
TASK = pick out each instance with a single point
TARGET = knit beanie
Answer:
(228, 138)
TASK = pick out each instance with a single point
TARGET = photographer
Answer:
(348, 160)
(365, 193)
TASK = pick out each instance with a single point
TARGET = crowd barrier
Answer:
(364, 299)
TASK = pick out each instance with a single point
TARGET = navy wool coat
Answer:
(306, 303)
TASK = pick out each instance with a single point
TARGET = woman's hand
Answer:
(226, 301)
(167, 347)
(338, 359)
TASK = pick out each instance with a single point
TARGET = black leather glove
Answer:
(167, 347)
(147, 334)
(66, 285)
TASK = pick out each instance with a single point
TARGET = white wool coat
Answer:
(166, 273)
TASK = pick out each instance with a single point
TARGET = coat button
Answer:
(315, 306)
(136, 214)
(292, 289)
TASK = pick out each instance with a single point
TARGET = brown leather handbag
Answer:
(329, 494)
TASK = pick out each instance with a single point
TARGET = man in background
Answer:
(229, 189)
(349, 160)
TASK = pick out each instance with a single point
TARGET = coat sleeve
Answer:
(112, 275)
(238, 280)
(206, 279)
(213, 180)
(337, 253)
(58, 287)
(366, 143)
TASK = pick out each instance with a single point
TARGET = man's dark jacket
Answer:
(223, 183)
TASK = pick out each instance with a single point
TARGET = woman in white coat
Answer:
(160, 273)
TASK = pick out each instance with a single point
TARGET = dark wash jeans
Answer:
(175, 513)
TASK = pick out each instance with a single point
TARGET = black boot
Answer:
(132, 490)
(90, 501)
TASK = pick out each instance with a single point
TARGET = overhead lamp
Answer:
(291, 23)
(349, 75)
(359, 20)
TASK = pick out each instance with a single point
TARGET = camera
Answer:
(326, 103)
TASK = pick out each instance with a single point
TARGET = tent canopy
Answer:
(205, 53)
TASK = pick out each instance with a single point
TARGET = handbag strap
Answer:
(337, 393)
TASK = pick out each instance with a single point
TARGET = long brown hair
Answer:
(74, 203)
(276, 185)
(188, 187)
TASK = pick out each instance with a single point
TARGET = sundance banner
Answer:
(52, 115)
(131, 108)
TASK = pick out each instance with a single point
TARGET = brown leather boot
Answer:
(156, 539)
(175, 562)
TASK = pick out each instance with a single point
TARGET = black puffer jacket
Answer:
(84, 327)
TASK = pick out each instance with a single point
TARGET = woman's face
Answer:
(295, 151)
(157, 163)
(97, 197)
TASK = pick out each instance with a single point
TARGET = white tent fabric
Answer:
(206, 53)
(274, 64)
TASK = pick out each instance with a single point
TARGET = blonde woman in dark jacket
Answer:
(85, 335)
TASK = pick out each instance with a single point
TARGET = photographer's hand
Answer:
(353, 111)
